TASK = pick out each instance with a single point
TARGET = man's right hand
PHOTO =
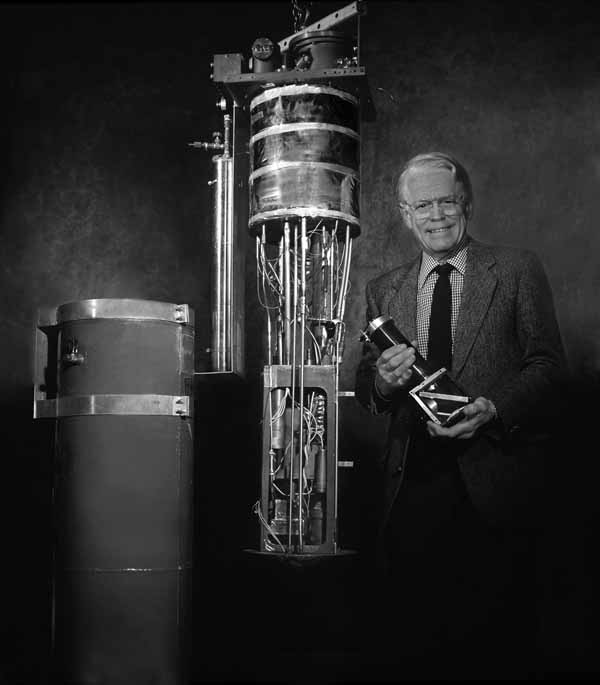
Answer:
(394, 368)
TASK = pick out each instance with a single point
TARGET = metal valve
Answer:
(216, 144)
(71, 355)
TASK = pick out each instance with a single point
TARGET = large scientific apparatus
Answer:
(295, 109)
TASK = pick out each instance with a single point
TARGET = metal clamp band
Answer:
(118, 405)
(301, 89)
(116, 309)
(280, 129)
(325, 166)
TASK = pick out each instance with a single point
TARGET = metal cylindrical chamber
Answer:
(123, 490)
(321, 49)
(304, 155)
(222, 273)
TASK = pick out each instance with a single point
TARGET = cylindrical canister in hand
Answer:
(383, 332)
(438, 395)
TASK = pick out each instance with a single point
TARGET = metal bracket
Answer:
(182, 313)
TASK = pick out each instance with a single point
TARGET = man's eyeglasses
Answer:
(450, 206)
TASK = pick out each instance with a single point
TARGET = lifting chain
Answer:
(300, 14)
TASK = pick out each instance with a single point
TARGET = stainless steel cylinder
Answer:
(121, 376)
(222, 285)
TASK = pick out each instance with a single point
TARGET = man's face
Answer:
(442, 228)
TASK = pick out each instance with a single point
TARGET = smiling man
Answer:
(436, 203)
(455, 525)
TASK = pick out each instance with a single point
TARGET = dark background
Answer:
(101, 197)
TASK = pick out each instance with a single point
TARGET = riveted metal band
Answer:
(325, 166)
(117, 309)
(279, 129)
(118, 405)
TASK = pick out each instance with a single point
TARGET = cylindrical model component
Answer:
(383, 332)
(123, 484)
(304, 157)
(438, 395)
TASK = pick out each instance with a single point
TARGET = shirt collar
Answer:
(428, 264)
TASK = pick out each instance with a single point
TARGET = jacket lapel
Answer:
(402, 305)
(478, 289)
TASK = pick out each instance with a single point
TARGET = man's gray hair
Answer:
(436, 160)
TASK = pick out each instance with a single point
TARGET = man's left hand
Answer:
(477, 414)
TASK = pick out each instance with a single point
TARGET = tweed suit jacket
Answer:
(507, 348)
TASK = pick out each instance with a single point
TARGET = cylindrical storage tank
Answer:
(119, 380)
(304, 156)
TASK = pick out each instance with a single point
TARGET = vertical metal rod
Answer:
(228, 256)
(217, 279)
(267, 479)
(293, 384)
(271, 447)
(325, 267)
(279, 341)
(263, 254)
(280, 318)
(301, 373)
(286, 292)
(333, 266)
(358, 40)
(54, 565)
(345, 276)
(333, 463)
(259, 273)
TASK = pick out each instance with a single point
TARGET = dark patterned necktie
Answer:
(440, 327)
